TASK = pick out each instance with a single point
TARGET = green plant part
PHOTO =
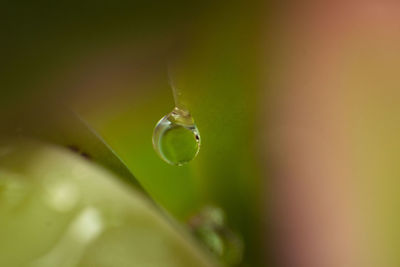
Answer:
(60, 209)
(209, 226)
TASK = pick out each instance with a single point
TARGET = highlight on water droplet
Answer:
(176, 138)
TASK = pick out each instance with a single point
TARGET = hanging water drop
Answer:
(176, 138)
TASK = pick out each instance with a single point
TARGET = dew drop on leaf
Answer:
(176, 138)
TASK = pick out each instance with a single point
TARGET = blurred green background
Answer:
(108, 62)
(297, 105)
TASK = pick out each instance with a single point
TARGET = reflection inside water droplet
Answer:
(210, 228)
(176, 137)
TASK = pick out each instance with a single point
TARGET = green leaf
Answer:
(58, 209)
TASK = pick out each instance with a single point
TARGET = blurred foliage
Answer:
(59, 209)
(217, 78)
(109, 62)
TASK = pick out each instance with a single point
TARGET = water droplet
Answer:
(176, 138)
(210, 228)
